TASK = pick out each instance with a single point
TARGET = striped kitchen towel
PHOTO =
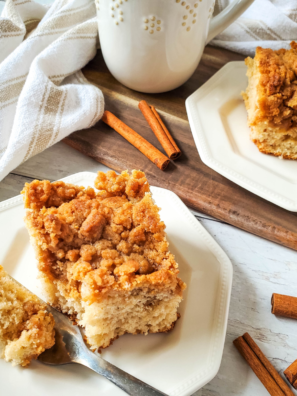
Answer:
(43, 94)
(266, 23)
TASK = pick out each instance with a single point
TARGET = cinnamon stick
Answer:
(284, 305)
(259, 368)
(151, 152)
(291, 374)
(178, 152)
(160, 130)
(269, 367)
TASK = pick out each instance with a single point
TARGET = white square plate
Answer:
(218, 120)
(178, 363)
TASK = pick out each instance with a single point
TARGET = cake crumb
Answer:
(26, 328)
(271, 101)
(103, 255)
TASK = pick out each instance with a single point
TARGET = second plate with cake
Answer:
(218, 121)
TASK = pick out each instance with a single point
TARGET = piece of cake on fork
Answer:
(271, 101)
(103, 256)
(26, 328)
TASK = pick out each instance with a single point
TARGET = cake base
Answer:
(275, 141)
(142, 311)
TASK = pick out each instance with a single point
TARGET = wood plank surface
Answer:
(198, 186)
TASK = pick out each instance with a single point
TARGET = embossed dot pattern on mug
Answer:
(116, 12)
(210, 11)
(189, 15)
(150, 22)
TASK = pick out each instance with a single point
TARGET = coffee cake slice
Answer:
(271, 101)
(26, 328)
(103, 256)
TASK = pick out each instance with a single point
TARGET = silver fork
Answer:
(70, 348)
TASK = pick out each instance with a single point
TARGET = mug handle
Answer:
(226, 17)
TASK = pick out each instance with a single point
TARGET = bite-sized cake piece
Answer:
(26, 328)
(103, 256)
(271, 101)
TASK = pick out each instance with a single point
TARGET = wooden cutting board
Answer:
(198, 186)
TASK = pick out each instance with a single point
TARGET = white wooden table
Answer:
(260, 268)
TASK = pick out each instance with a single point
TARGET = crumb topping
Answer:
(46, 194)
(96, 241)
(277, 88)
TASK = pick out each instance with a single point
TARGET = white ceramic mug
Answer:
(155, 45)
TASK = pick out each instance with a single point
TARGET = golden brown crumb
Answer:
(38, 194)
(112, 184)
(101, 246)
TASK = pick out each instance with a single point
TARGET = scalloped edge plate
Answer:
(218, 122)
(178, 363)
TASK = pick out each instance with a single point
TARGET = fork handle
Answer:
(123, 380)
